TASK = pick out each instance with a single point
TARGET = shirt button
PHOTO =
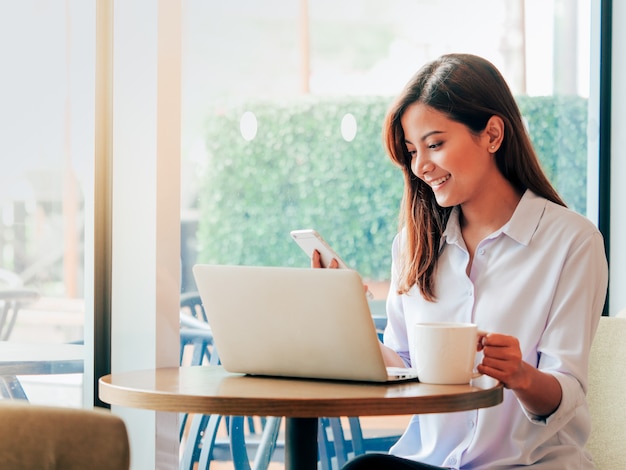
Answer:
(452, 460)
(471, 424)
(481, 251)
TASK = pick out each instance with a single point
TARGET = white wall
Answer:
(146, 211)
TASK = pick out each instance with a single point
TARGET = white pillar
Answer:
(146, 210)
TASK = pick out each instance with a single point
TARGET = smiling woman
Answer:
(306, 167)
(478, 214)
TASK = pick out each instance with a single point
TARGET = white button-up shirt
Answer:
(541, 278)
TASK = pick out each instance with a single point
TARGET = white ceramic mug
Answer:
(444, 352)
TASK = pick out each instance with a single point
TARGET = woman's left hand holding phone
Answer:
(316, 261)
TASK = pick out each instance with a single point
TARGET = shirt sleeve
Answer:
(564, 346)
(395, 335)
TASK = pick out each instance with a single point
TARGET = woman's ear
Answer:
(494, 132)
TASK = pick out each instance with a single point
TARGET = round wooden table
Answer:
(212, 390)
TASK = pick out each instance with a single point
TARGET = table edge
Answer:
(294, 407)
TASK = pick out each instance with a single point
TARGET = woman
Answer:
(486, 239)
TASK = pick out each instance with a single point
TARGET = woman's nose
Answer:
(421, 166)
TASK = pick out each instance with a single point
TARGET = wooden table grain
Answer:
(210, 389)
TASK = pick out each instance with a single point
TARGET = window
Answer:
(47, 128)
(283, 105)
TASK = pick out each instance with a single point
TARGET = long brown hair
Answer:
(469, 90)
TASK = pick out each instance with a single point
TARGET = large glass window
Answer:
(283, 104)
(46, 147)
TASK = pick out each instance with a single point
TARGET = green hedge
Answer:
(299, 172)
(558, 129)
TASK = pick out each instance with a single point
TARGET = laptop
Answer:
(293, 322)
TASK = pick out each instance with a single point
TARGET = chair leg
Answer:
(358, 444)
(4, 327)
(267, 445)
(238, 443)
(203, 431)
(12, 388)
(11, 321)
(208, 441)
(339, 442)
(325, 451)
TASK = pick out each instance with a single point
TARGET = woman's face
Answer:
(455, 163)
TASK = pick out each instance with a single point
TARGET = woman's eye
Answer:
(435, 145)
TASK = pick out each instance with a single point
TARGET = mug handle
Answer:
(480, 334)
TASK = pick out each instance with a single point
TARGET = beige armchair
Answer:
(607, 394)
(51, 438)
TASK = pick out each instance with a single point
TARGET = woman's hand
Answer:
(539, 391)
(316, 261)
(391, 358)
(502, 360)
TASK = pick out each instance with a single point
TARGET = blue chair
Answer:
(244, 443)
(191, 305)
(332, 444)
(336, 444)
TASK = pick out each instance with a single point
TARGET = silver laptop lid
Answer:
(297, 322)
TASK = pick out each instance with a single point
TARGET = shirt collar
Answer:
(520, 227)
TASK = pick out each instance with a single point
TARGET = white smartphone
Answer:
(309, 240)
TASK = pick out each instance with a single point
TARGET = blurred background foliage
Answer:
(299, 172)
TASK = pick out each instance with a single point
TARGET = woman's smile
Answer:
(435, 184)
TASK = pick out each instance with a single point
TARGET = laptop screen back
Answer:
(297, 322)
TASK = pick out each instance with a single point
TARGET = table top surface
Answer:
(18, 293)
(37, 358)
(210, 389)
